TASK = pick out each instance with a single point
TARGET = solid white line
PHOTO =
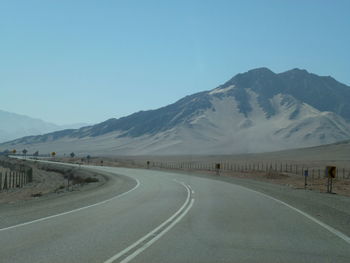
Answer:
(126, 250)
(315, 220)
(74, 210)
(191, 189)
(149, 243)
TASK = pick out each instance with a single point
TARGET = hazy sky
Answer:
(87, 61)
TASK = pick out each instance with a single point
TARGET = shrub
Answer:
(37, 194)
(91, 180)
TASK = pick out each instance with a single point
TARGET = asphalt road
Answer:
(156, 216)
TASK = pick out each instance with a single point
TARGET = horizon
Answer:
(89, 61)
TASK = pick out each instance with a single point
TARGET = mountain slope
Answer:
(16, 126)
(323, 93)
(253, 112)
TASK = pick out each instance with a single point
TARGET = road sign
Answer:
(331, 171)
(306, 174)
(217, 168)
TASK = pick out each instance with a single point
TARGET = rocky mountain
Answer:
(13, 126)
(255, 111)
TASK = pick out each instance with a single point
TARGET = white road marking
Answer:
(182, 210)
(191, 189)
(74, 210)
(315, 220)
(149, 243)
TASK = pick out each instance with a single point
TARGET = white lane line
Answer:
(315, 220)
(191, 189)
(74, 210)
(150, 242)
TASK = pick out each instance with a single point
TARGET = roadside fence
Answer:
(14, 176)
(314, 172)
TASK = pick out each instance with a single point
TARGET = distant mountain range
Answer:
(13, 126)
(256, 111)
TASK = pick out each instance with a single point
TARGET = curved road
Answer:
(170, 217)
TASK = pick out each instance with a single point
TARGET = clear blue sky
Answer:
(70, 61)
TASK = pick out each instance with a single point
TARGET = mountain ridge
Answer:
(253, 98)
(14, 125)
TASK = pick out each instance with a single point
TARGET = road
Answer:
(161, 216)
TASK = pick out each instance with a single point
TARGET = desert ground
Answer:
(283, 167)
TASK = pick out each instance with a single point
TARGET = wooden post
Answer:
(5, 182)
(13, 180)
(30, 177)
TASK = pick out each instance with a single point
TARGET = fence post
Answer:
(30, 175)
(12, 179)
(23, 179)
(5, 181)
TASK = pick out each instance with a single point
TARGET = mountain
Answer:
(255, 111)
(16, 126)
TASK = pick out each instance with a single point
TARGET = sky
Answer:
(87, 61)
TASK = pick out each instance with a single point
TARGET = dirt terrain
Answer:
(283, 168)
(51, 180)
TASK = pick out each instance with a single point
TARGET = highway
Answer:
(157, 216)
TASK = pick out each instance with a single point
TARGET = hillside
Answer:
(256, 111)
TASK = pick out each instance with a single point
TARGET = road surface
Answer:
(156, 216)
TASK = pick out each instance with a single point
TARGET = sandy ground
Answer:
(293, 178)
(290, 165)
(50, 181)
